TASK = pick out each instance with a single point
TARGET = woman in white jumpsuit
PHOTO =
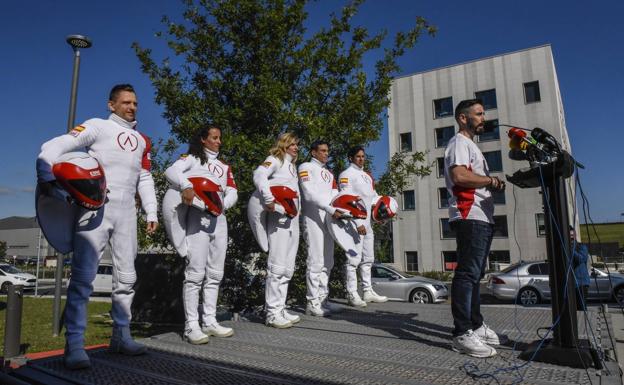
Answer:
(279, 169)
(354, 180)
(206, 235)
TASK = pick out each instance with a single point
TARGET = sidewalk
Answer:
(390, 343)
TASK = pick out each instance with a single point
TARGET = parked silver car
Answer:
(528, 282)
(402, 287)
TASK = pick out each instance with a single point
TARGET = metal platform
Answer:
(391, 343)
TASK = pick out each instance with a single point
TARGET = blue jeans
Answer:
(473, 246)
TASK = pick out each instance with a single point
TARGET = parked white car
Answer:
(9, 274)
(103, 282)
(399, 286)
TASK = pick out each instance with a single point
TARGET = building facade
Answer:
(519, 89)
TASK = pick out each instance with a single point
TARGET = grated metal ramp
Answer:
(390, 343)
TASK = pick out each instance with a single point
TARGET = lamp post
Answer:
(76, 42)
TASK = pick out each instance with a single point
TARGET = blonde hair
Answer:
(282, 143)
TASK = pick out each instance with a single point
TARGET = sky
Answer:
(587, 39)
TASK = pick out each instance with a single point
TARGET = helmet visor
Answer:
(93, 189)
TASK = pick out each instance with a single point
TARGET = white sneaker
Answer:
(330, 307)
(355, 300)
(487, 335)
(278, 321)
(195, 337)
(314, 308)
(371, 296)
(293, 318)
(469, 343)
(214, 329)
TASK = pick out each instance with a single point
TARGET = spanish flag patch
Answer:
(76, 130)
(303, 174)
(344, 180)
(266, 164)
(183, 156)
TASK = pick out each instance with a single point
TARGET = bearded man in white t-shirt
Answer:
(471, 211)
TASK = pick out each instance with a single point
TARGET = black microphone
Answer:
(517, 154)
(544, 137)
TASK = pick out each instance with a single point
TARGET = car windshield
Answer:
(510, 268)
(9, 269)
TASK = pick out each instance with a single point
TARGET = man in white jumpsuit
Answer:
(354, 180)
(206, 235)
(318, 188)
(124, 154)
(278, 169)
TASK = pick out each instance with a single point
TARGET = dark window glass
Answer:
(488, 98)
(500, 226)
(440, 162)
(443, 107)
(538, 269)
(443, 135)
(498, 197)
(494, 160)
(450, 260)
(540, 224)
(532, 92)
(409, 200)
(445, 229)
(380, 272)
(498, 258)
(491, 131)
(406, 141)
(411, 258)
(443, 196)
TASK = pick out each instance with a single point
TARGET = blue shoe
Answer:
(122, 342)
(76, 358)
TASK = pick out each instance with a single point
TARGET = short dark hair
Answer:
(464, 106)
(319, 142)
(354, 150)
(114, 92)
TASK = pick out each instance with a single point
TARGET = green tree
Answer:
(3, 249)
(249, 67)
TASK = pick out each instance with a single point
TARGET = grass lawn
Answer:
(608, 232)
(37, 324)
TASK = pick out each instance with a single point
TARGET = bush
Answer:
(444, 276)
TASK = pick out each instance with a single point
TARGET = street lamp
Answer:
(76, 42)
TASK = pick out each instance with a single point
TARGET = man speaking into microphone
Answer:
(471, 210)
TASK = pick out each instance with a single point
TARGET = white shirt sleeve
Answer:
(146, 190)
(261, 177)
(175, 173)
(231, 192)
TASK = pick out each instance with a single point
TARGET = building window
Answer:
(440, 162)
(409, 200)
(498, 197)
(443, 135)
(445, 229)
(532, 92)
(494, 160)
(443, 107)
(540, 224)
(406, 141)
(411, 259)
(488, 98)
(450, 260)
(500, 226)
(490, 132)
(499, 259)
(443, 197)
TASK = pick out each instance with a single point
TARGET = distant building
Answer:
(23, 238)
(518, 88)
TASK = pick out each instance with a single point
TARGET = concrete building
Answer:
(518, 88)
(23, 238)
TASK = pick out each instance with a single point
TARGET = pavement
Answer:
(389, 343)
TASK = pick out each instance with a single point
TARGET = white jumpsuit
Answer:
(318, 188)
(206, 237)
(356, 181)
(124, 154)
(283, 231)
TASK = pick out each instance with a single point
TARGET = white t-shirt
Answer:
(467, 203)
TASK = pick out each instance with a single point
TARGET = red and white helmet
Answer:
(352, 205)
(83, 178)
(209, 193)
(287, 198)
(385, 209)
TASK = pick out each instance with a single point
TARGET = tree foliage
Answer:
(251, 68)
(3, 249)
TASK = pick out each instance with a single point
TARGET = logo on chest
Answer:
(215, 169)
(127, 142)
(325, 176)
